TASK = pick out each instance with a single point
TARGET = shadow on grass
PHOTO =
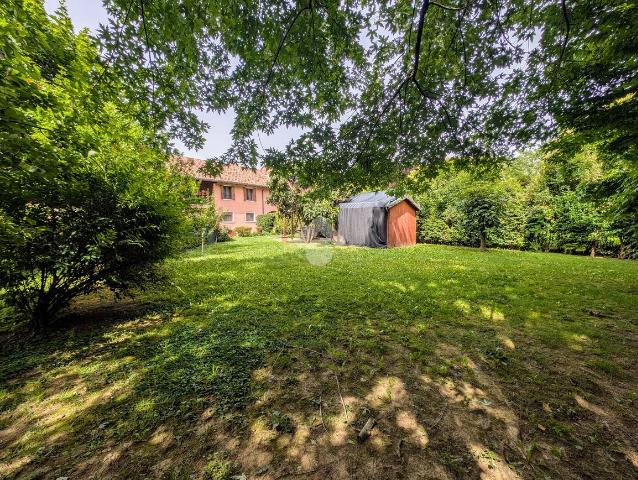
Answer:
(256, 359)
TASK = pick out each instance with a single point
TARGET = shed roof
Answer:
(376, 199)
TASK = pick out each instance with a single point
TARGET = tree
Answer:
(205, 219)
(287, 198)
(380, 87)
(577, 225)
(615, 191)
(266, 222)
(600, 188)
(300, 206)
(459, 207)
(618, 188)
(312, 209)
(539, 225)
(545, 205)
(439, 217)
(482, 207)
(87, 199)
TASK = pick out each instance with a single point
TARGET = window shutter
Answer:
(245, 194)
(232, 192)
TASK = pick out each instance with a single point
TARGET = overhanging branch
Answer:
(419, 36)
(446, 7)
(295, 17)
(563, 8)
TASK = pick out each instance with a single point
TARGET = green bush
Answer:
(86, 199)
(526, 205)
(266, 222)
(102, 226)
(222, 234)
(243, 231)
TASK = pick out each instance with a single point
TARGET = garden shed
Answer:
(376, 219)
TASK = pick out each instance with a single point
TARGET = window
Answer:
(249, 194)
(227, 217)
(205, 189)
(250, 217)
(227, 192)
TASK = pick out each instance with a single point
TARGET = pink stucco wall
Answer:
(238, 206)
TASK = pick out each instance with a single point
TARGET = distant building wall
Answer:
(239, 210)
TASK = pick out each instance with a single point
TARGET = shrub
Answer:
(96, 229)
(243, 231)
(278, 227)
(85, 201)
(222, 234)
(266, 222)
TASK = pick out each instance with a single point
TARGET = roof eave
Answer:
(408, 199)
(224, 182)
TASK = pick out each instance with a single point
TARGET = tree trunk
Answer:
(593, 251)
(37, 321)
(483, 243)
(40, 314)
(203, 239)
(309, 234)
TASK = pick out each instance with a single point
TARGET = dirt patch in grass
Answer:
(258, 362)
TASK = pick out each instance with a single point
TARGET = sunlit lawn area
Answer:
(264, 359)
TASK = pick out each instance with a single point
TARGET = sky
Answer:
(90, 13)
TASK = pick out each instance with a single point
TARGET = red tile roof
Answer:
(231, 174)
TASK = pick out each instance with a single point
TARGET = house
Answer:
(240, 193)
(376, 219)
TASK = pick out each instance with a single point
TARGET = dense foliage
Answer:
(86, 199)
(266, 222)
(380, 86)
(286, 197)
(480, 211)
(534, 203)
(296, 207)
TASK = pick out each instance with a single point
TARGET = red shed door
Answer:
(401, 225)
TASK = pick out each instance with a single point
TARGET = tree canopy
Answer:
(383, 86)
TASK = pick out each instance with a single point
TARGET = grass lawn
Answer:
(264, 359)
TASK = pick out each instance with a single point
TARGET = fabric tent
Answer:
(363, 219)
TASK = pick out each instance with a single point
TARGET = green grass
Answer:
(529, 357)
